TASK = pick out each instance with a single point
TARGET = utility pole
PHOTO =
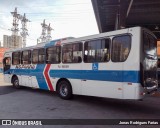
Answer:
(24, 32)
(14, 28)
(49, 29)
(44, 28)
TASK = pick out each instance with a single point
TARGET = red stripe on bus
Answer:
(47, 77)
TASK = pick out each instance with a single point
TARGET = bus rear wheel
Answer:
(65, 90)
(16, 82)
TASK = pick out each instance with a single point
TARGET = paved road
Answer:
(2, 83)
(29, 103)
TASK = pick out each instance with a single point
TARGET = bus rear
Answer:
(148, 64)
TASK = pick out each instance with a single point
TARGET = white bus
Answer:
(121, 64)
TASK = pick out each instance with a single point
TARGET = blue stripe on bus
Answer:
(38, 73)
(101, 75)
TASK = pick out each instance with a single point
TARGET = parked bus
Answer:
(121, 64)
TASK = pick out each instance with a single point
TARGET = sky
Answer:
(68, 18)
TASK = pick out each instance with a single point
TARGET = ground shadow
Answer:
(150, 106)
(6, 90)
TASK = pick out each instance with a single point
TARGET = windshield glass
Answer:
(149, 68)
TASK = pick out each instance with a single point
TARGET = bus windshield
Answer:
(150, 46)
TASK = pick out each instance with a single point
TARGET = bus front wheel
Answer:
(65, 90)
(16, 82)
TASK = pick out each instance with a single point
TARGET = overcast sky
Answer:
(67, 17)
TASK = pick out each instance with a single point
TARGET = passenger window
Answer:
(41, 56)
(53, 55)
(15, 58)
(97, 51)
(72, 53)
(26, 57)
(121, 46)
(35, 56)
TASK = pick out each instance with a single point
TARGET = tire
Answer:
(16, 83)
(64, 90)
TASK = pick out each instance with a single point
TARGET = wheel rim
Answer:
(16, 83)
(63, 90)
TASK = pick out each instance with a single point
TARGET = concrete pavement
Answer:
(2, 83)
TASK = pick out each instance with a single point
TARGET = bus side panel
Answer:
(76, 86)
(71, 72)
(102, 89)
(7, 78)
(132, 89)
(34, 82)
(105, 81)
(20, 79)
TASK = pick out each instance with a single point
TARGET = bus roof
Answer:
(72, 39)
(106, 34)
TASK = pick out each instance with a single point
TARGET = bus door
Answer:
(6, 68)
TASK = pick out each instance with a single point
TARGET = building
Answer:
(12, 41)
(5, 41)
(2, 50)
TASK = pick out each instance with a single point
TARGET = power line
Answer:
(32, 39)
(55, 5)
(65, 12)
(69, 12)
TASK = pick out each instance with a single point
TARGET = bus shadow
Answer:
(150, 106)
(40, 91)
(6, 90)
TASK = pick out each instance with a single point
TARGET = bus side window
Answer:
(15, 58)
(35, 56)
(121, 46)
(41, 56)
(72, 53)
(53, 55)
(97, 51)
(26, 57)
(77, 53)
